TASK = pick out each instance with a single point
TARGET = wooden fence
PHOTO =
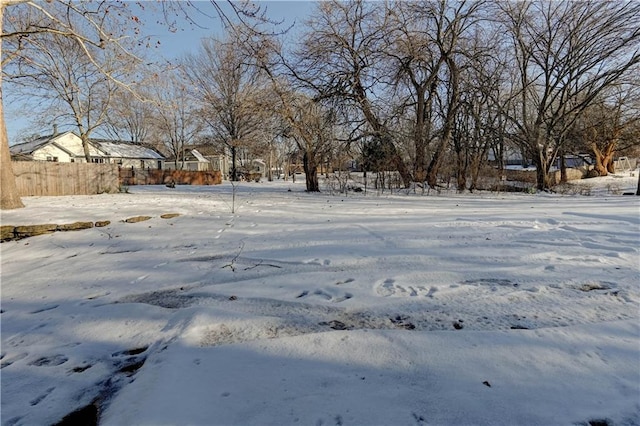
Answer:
(130, 176)
(51, 179)
(42, 178)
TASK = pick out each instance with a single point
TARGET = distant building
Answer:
(67, 148)
(191, 160)
(200, 157)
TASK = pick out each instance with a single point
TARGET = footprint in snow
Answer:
(386, 288)
(44, 309)
(325, 296)
(317, 261)
(431, 292)
(50, 361)
(335, 325)
(130, 352)
(97, 295)
(10, 360)
(346, 296)
(80, 369)
(389, 287)
(129, 362)
(39, 398)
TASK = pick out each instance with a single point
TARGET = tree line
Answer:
(428, 90)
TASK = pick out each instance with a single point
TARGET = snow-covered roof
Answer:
(106, 148)
(207, 150)
(198, 156)
(113, 149)
(119, 149)
(190, 155)
(30, 146)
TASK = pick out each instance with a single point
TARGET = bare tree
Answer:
(603, 127)
(394, 61)
(57, 70)
(311, 126)
(232, 97)
(131, 118)
(426, 49)
(90, 24)
(479, 126)
(9, 197)
(566, 53)
(176, 121)
(307, 114)
(340, 58)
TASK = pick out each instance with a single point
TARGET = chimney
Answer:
(55, 129)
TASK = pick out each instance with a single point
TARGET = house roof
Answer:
(206, 150)
(121, 149)
(191, 155)
(30, 146)
(21, 157)
(107, 148)
(198, 156)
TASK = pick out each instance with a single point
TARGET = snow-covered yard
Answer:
(312, 309)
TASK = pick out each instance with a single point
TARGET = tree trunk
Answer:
(9, 197)
(563, 169)
(525, 158)
(638, 189)
(604, 158)
(382, 133)
(234, 169)
(269, 171)
(461, 170)
(476, 163)
(311, 172)
(542, 177)
(419, 172)
(85, 146)
(447, 134)
(401, 167)
(434, 165)
(611, 166)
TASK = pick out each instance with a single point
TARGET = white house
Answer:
(191, 160)
(128, 154)
(64, 147)
(201, 157)
(260, 166)
(67, 148)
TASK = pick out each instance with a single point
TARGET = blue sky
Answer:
(172, 45)
(187, 38)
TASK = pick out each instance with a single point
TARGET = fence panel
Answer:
(130, 176)
(40, 178)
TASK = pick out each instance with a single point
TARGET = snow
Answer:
(127, 150)
(29, 147)
(198, 156)
(313, 309)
